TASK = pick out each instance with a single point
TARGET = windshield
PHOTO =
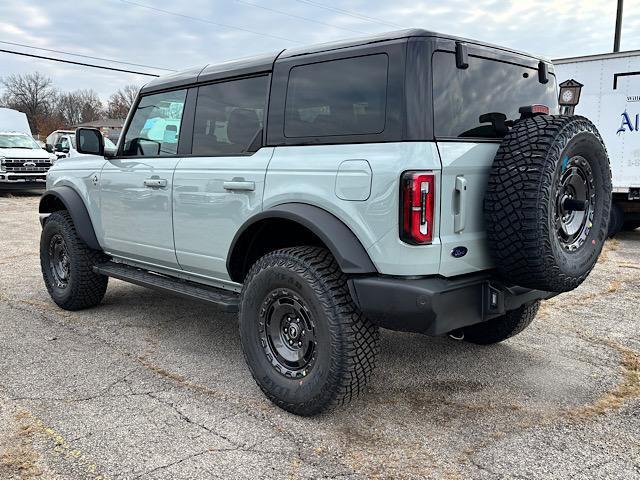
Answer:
(17, 141)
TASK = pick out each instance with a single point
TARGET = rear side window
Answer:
(461, 96)
(337, 97)
(155, 126)
(229, 116)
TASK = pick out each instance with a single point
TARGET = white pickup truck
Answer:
(23, 163)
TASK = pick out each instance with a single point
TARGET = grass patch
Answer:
(18, 459)
(626, 390)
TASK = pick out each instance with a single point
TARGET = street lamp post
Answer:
(569, 96)
(616, 40)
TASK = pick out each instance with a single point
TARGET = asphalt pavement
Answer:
(154, 387)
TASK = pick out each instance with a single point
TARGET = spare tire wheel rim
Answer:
(287, 333)
(574, 203)
(59, 262)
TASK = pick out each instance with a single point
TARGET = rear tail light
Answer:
(417, 200)
(529, 111)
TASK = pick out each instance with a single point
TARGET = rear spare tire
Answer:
(547, 202)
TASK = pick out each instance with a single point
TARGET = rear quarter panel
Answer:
(309, 174)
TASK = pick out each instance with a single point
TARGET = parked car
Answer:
(66, 146)
(606, 88)
(413, 181)
(53, 140)
(23, 163)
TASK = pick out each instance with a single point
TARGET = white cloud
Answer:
(114, 29)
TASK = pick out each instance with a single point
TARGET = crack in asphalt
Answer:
(171, 464)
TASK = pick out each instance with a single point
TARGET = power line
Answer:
(76, 63)
(299, 17)
(205, 20)
(350, 13)
(85, 56)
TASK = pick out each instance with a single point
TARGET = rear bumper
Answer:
(437, 305)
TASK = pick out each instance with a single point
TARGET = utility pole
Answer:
(616, 40)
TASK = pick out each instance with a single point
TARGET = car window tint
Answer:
(338, 97)
(229, 115)
(155, 126)
(461, 96)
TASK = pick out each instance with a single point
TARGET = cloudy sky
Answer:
(179, 34)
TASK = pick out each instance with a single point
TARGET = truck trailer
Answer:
(606, 89)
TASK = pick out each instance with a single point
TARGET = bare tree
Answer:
(121, 101)
(79, 106)
(31, 93)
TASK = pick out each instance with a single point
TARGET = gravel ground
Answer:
(154, 387)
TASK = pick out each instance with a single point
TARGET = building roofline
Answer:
(596, 57)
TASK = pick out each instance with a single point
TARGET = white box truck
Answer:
(607, 89)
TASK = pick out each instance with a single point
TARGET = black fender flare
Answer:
(73, 203)
(348, 251)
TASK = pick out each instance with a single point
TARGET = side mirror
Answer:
(48, 147)
(65, 150)
(58, 147)
(90, 141)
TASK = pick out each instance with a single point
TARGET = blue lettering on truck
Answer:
(628, 124)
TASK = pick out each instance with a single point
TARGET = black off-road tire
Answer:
(616, 220)
(501, 328)
(522, 198)
(84, 288)
(346, 342)
(631, 226)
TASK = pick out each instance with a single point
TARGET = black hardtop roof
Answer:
(264, 63)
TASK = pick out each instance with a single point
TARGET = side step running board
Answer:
(226, 300)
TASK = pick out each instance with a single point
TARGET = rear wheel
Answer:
(67, 265)
(501, 328)
(616, 220)
(307, 345)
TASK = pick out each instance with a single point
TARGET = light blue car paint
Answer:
(308, 174)
(187, 227)
(207, 213)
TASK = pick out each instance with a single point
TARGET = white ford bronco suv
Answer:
(412, 181)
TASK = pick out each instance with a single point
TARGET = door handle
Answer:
(155, 182)
(460, 215)
(240, 185)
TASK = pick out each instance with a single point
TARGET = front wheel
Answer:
(306, 343)
(67, 265)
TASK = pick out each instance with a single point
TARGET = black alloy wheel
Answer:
(59, 263)
(575, 203)
(287, 333)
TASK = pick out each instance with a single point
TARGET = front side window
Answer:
(229, 116)
(462, 96)
(155, 127)
(338, 97)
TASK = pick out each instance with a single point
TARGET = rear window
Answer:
(461, 96)
(338, 97)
